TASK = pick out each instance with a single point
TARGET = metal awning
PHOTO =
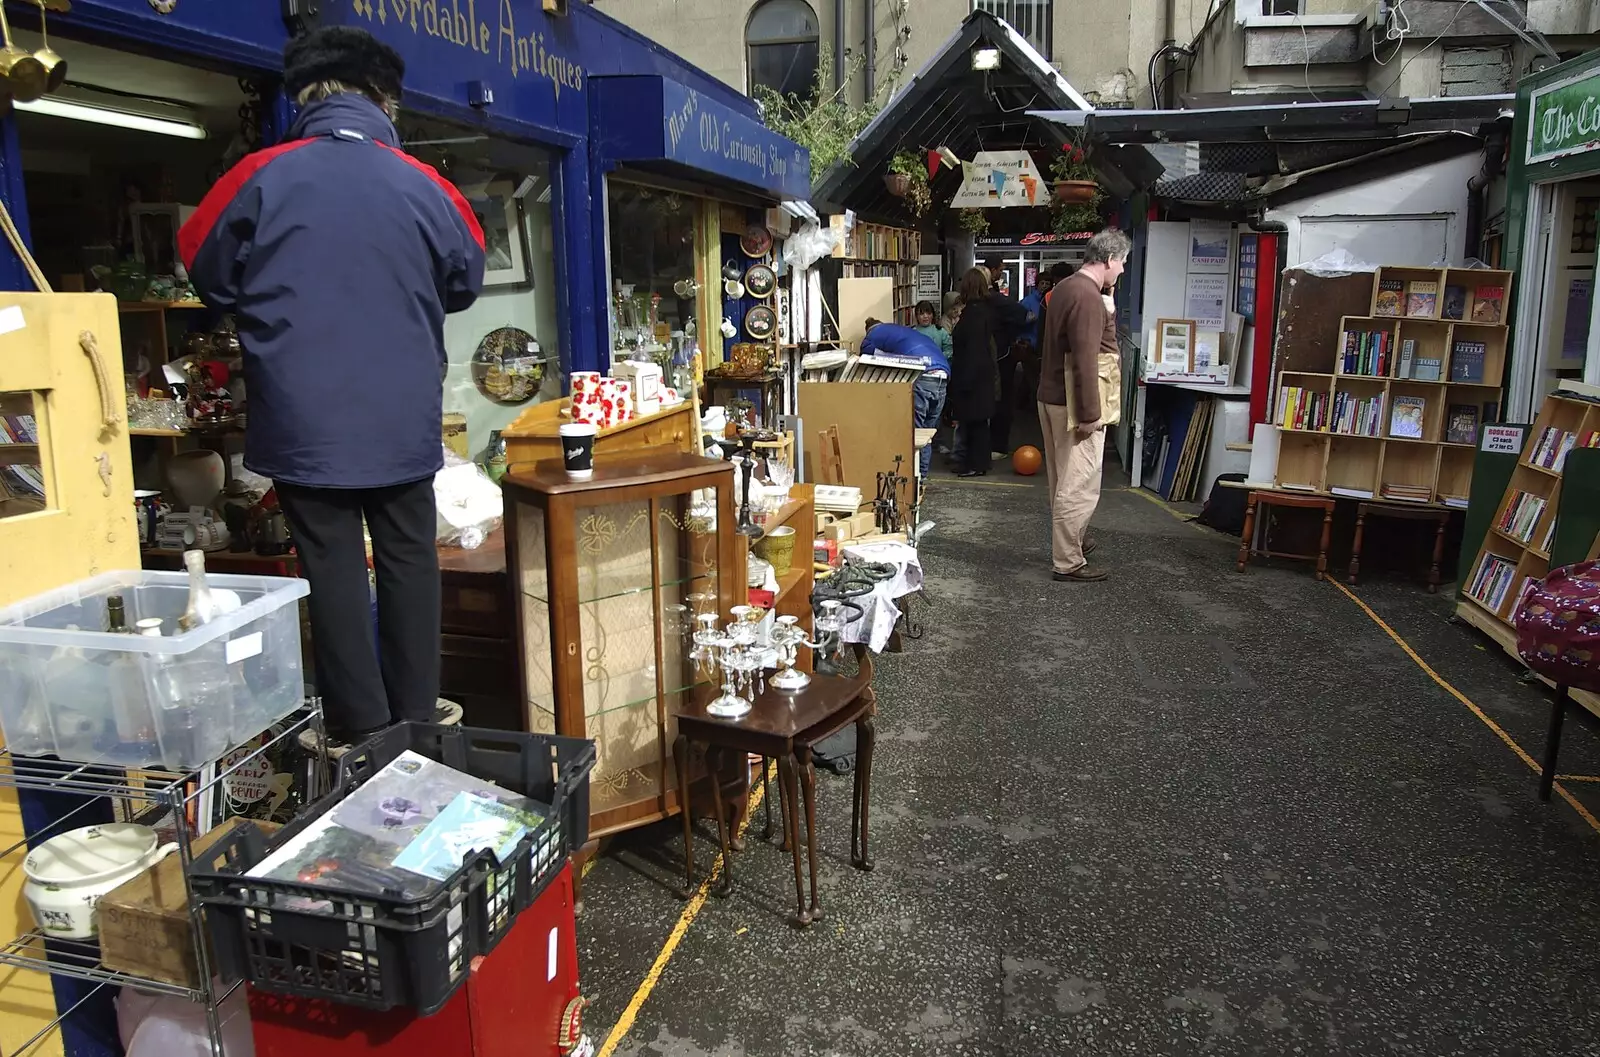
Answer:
(949, 104)
(1366, 119)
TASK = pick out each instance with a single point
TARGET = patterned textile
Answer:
(1558, 626)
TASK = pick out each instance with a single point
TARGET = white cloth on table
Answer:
(878, 610)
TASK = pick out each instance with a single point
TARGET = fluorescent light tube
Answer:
(161, 126)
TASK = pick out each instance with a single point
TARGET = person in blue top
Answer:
(339, 255)
(927, 395)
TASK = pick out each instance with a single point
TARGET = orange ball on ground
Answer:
(1026, 460)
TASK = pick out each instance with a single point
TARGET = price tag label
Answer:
(1504, 439)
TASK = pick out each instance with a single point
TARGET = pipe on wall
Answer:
(838, 44)
(870, 69)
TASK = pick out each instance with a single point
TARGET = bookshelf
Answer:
(1516, 549)
(1394, 409)
(877, 250)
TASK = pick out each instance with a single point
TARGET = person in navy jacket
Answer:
(340, 255)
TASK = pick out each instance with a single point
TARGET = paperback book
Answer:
(1486, 304)
(1389, 291)
(1455, 303)
(1405, 420)
(1466, 361)
(1461, 424)
(1422, 299)
(1426, 369)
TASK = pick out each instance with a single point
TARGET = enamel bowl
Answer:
(67, 874)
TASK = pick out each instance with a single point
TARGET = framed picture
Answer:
(1175, 344)
(155, 234)
(505, 238)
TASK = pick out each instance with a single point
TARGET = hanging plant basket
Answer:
(1076, 192)
(897, 183)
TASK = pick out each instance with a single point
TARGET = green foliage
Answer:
(1081, 216)
(820, 121)
(975, 221)
(911, 165)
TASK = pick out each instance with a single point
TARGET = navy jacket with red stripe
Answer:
(339, 255)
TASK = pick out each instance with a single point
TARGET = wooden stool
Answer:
(1407, 513)
(1268, 498)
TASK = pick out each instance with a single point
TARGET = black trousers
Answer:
(1005, 407)
(365, 685)
(978, 452)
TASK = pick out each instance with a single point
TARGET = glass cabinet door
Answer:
(686, 545)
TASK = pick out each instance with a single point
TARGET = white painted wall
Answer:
(1392, 220)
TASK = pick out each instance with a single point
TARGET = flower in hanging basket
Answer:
(907, 178)
(975, 221)
(897, 183)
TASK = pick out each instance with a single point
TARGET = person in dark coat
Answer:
(1009, 319)
(972, 372)
(340, 255)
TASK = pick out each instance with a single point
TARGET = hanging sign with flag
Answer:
(994, 179)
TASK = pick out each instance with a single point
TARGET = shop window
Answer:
(781, 41)
(654, 281)
(1032, 19)
(22, 483)
(505, 352)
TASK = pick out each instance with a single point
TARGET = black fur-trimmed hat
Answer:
(342, 53)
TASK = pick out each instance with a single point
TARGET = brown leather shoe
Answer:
(1083, 573)
(1089, 546)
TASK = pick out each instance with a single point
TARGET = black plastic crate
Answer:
(381, 952)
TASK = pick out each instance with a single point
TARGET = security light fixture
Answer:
(986, 59)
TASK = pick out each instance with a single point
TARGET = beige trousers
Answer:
(1073, 465)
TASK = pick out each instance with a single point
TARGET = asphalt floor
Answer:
(1182, 811)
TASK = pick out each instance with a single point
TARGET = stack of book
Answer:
(1367, 352)
(1454, 501)
(1550, 451)
(1492, 580)
(1303, 409)
(1408, 493)
(23, 481)
(1521, 515)
(18, 429)
(1358, 416)
(1549, 537)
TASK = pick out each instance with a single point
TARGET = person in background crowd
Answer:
(951, 446)
(1079, 332)
(927, 394)
(1033, 303)
(340, 255)
(972, 377)
(1058, 271)
(1009, 321)
(928, 326)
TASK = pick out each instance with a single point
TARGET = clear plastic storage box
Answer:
(69, 688)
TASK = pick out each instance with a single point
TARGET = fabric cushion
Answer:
(1558, 626)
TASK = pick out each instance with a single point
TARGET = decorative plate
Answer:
(760, 322)
(756, 240)
(505, 366)
(760, 281)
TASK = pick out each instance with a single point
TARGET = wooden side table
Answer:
(786, 726)
(1440, 516)
(1268, 498)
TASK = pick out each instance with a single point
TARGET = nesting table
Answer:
(785, 726)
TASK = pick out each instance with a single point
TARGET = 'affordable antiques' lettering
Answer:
(457, 22)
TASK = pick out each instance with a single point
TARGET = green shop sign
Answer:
(1565, 118)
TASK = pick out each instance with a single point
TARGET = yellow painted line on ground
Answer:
(1445, 684)
(1145, 493)
(966, 481)
(624, 1024)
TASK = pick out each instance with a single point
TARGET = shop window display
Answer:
(505, 352)
(654, 279)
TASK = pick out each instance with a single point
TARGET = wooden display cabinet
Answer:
(606, 578)
(534, 435)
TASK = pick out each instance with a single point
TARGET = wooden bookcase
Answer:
(876, 250)
(1373, 363)
(1525, 545)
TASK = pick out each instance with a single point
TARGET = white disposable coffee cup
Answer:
(577, 449)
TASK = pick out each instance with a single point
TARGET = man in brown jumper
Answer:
(1078, 331)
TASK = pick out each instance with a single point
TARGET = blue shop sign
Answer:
(644, 119)
(536, 66)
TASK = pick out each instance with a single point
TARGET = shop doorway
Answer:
(1556, 323)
